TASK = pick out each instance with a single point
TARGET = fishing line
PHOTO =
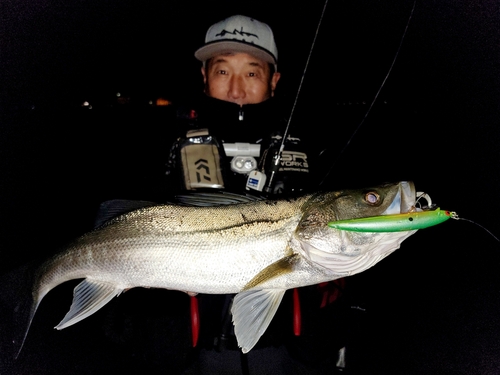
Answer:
(479, 225)
(374, 99)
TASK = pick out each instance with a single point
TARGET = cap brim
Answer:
(230, 46)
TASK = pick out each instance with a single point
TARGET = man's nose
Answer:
(236, 88)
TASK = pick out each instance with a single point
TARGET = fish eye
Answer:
(372, 198)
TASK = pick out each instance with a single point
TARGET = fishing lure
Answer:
(394, 223)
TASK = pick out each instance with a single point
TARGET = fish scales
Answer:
(150, 244)
(167, 218)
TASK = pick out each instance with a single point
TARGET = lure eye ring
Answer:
(372, 198)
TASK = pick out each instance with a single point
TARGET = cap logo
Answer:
(236, 32)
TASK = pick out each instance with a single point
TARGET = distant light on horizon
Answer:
(162, 102)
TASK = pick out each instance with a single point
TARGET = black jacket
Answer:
(262, 124)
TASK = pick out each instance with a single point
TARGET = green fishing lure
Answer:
(394, 223)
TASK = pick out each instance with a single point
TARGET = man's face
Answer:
(239, 78)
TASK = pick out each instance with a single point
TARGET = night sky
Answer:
(435, 120)
(66, 50)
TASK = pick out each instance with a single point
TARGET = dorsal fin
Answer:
(115, 207)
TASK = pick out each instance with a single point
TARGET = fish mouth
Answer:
(407, 200)
(355, 252)
(404, 201)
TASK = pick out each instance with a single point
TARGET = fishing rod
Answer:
(277, 157)
(303, 75)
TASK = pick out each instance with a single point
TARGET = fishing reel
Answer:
(279, 169)
(284, 167)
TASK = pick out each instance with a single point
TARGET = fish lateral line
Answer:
(395, 223)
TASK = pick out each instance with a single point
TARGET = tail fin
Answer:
(17, 300)
(23, 316)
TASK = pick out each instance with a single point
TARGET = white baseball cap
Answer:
(239, 34)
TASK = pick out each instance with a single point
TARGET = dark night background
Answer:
(432, 307)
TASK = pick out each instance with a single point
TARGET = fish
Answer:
(256, 249)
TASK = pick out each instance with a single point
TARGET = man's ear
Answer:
(204, 74)
(274, 82)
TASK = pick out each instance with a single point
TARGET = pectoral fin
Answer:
(88, 297)
(252, 312)
(281, 267)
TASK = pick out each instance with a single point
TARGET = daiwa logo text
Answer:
(202, 166)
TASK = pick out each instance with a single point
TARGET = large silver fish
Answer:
(257, 249)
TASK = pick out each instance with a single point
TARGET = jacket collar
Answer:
(234, 123)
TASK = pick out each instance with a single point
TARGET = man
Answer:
(239, 61)
(238, 109)
(239, 70)
(231, 139)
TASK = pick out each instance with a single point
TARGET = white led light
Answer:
(243, 164)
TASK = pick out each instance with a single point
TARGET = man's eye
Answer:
(221, 72)
(252, 74)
